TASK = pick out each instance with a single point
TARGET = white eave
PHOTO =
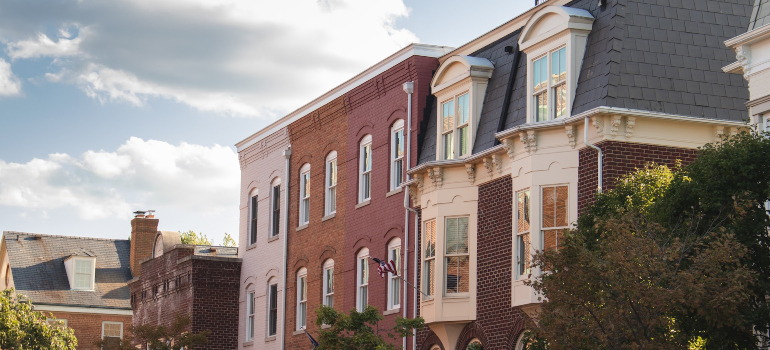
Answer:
(749, 37)
(394, 59)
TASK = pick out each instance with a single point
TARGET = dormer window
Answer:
(80, 272)
(557, 85)
(455, 121)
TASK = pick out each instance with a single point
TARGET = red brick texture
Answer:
(621, 158)
(201, 287)
(88, 327)
(313, 138)
(143, 233)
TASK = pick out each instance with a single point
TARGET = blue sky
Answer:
(111, 107)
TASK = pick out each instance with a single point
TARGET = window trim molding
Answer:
(275, 225)
(304, 186)
(517, 275)
(362, 257)
(112, 322)
(445, 256)
(272, 282)
(301, 274)
(365, 141)
(397, 126)
(330, 158)
(394, 244)
(327, 265)
(253, 231)
(251, 299)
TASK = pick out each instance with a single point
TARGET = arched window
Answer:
(304, 194)
(362, 279)
(365, 170)
(330, 206)
(328, 283)
(253, 206)
(521, 344)
(301, 298)
(250, 312)
(275, 207)
(475, 344)
(272, 307)
(397, 147)
(394, 281)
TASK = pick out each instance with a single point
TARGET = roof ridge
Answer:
(5, 233)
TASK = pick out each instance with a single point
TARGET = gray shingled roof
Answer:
(37, 267)
(639, 55)
(761, 14)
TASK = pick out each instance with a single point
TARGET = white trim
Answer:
(397, 127)
(83, 310)
(371, 72)
(251, 300)
(366, 141)
(327, 265)
(270, 219)
(301, 276)
(394, 245)
(362, 258)
(304, 194)
(749, 37)
(328, 209)
(112, 322)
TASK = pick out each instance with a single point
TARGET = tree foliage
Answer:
(191, 237)
(359, 330)
(228, 241)
(23, 328)
(148, 337)
(669, 259)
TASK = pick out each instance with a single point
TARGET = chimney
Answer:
(143, 230)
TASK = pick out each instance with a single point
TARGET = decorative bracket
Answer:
(508, 145)
(471, 170)
(420, 182)
(598, 123)
(744, 59)
(488, 165)
(571, 135)
(498, 162)
(719, 133)
(436, 175)
(413, 195)
(615, 125)
(734, 131)
(630, 123)
(529, 140)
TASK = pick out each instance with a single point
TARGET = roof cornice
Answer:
(749, 37)
(392, 60)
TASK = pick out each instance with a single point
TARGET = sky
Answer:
(108, 107)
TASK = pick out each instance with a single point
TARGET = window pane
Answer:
(523, 207)
(368, 157)
(463, 109)
(398, 168)
(330, 281)
(276, 209)
(448, 116)
(302, 289)
(366, 186)
(333, 173)
(253, 233)
(430, 239)
(541, 107)
(332, 199)
(551, 239)
(112, 329)
(559, 66)
(302, 314)
(451, 236)
(364, 298)
(399, 143)
(561, 205)
(548, 207)
(448, 146)
(251, 303)
(83, 266)
(429, 269)
(364, 272)
(540, 73)
(463, 140)
(462, 235)
(560, 96)
(457, 274)
(305, 210)
(273, 317)
(523, 255)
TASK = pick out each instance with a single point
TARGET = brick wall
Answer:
(143, 233)
(88, 327)
(621, 158)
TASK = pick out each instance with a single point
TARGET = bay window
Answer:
(429, 258)
(397, 154)
(328, 283)
(365, 170)
(554, 215)
(331, 184)
(301, 298)
(304, 195)
(362, 280)
(549, 85)
(522, 234)
(455, 121)
(457, 256)
(394, 282)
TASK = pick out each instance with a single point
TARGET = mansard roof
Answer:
(761, 14)
(660, 58)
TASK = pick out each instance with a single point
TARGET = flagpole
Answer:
(401, 278)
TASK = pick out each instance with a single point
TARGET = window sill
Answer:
(457, 296)
(363, 204)
(300, 228)
(270, 338)
(274, 238)
(248, 343)
(251, 246)
(301, 331)
(396, 191)
(325, 326)
(390, 312)
(329, 217)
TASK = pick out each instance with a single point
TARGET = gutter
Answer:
(409, 89)
(287, 155)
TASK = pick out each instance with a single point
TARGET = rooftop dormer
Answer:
(81, 269)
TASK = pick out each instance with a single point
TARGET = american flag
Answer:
(386, 267)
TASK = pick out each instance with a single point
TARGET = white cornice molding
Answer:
(84, 310)
(749, 37)
(371, 72)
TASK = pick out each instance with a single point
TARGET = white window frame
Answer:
(362, 279)
(275, 225)
(543, 229)
(551, 86)
(521, 246)
(250, 314)
(428, 281)
(456, 126)
(330, 205)
(327, 293)
(394, 281)
(253, 233)
(112, 322)
(396, 160)
(301, 299)
(447, 256)
(364, 192)
(91, 275)
(272, 282)
(304, 194)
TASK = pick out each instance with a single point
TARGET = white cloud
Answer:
(193, 179)
(9, 83)
(244, 58)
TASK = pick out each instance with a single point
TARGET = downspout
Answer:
(287, 155)
(599, 163)
(409, 89)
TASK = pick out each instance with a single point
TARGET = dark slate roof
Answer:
(37, 267)
(761, 14)
(639, 55)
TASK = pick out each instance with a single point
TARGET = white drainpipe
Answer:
(409, 89)
(585, 140)
(287, 155)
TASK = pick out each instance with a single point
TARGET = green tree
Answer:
(228, 241)
(359, 329)
(23, 328)
(174, 337)
(190, 237)
(669, 259)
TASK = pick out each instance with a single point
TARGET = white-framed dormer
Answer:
(459, 86)
(80, 271)
(554, 41)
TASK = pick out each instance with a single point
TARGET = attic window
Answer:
(83, 274)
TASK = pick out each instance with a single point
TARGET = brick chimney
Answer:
(144, 227)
